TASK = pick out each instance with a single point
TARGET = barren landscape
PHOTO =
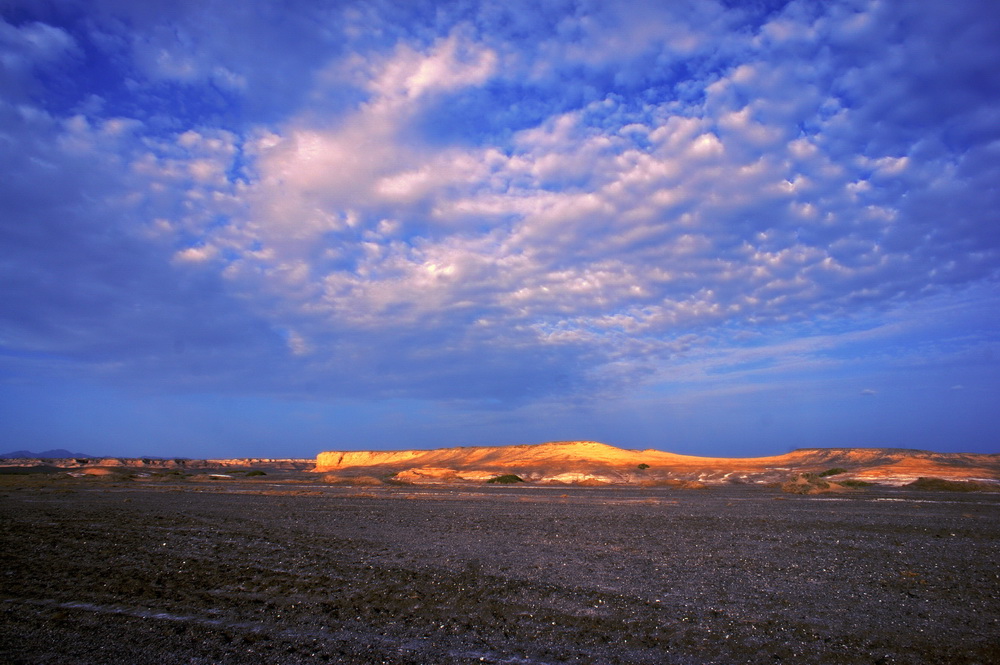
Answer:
(311, 309)
(221, 566)
(588, 463)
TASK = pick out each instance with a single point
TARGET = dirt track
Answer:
(245, 572)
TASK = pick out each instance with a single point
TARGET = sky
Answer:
(269, 229)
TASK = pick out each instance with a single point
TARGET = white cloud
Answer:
(616, 32)
(196, 254)
(32, 44)
(451, 63)
(545, 216)
(622, 213)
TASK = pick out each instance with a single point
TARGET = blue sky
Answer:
(276, 228)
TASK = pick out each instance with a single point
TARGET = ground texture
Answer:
(259, 572)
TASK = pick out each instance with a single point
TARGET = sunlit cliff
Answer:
(593, 462)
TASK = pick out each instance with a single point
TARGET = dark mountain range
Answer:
(57, 453)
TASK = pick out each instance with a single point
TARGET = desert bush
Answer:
(255, 472)
(643, 466)
(832, 472)
(506, 479)
(805, 483)
(942, 485)
(856, 484)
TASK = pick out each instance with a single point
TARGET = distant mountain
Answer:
(58, 453)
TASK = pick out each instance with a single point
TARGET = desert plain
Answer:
(201, 565)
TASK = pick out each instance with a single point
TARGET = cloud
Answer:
(868, 392)
(32, 44)
(492, 204)
(28, 51)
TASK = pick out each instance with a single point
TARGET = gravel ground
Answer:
(257, 572)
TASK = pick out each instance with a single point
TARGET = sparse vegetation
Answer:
(832, 472)
(643, 466)
(805, 485)
(255, 472)
(506, 479)
(814, 483)
(942, 485)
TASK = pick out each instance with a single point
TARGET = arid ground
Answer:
(256, 571)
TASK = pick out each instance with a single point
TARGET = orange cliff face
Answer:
(332, 461)
(554, 454)
(570, 461)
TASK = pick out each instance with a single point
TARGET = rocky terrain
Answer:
(246, 571)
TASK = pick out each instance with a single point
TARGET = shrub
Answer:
(942, 485)
(805, 483)
(854, 483)
(832, 472)
(255, 472)
(506, 479)
(643, 466)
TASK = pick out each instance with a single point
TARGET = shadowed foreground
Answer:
(248, 573)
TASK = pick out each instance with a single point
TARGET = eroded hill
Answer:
(591, 462)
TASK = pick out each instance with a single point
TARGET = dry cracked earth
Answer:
(258, 572)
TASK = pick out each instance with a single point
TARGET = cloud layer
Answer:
(491, 204)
